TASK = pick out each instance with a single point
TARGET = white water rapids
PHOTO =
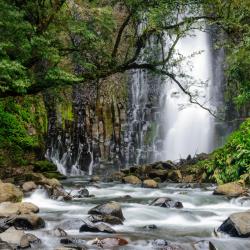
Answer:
(202, 214)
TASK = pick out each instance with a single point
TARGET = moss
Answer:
(150, 134)
(44, 166)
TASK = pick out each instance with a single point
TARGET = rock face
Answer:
(230, 189)
(166, 202)
(237, 225)
(9, 192)
(131, 179)
(111, 208)
(98, 227)
(150, 184)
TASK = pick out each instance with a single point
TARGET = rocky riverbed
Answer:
(86, 213)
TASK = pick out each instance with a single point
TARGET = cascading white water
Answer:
(189, 128)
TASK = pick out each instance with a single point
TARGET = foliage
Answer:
(16, 119)
(232, 161)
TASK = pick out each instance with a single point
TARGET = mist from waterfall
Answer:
(189, 128)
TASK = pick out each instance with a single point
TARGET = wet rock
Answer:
(204, 244)
(9, 192)
(70, 224)
(95, 178)
(110, 208)
(73, 243)
(232, 189)
(5, 245)
(108, 243)
(82, 193)
(58, 193)
(131, 179)
(237, 225)
(29, 186)
(10, 209)
(150, 184)
(117, 176)
(166, 202)
(54, 183)
(174, 175)
(58, 232)
(96, 228)
(28, 222)
(150, 227)
(164, 245)
(113, 220)
(19, 238)
(161, 173)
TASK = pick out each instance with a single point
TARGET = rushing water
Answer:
(202, 214)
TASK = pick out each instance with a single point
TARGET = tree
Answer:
(54, 43)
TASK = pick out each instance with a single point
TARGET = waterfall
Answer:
(189, 128)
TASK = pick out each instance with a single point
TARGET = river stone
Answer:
(109, 243)
(204, 244)
(150, 184)
(5, 245)
(9, 192)
(9, 209)
(131, 179)
(95, 178)
(110, 208)
(12, 236)
(113, 220)
(159, 173)
(175, 175)
(70, 224)
(95, 228)
(231, 189)
(237, 225)
(58, 232)
(29, 186)
(166, 202)
(28, 222)
(29, 239)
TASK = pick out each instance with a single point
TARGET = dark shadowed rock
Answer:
(28, 222)
(105, 218)
(5, 245)
(237, 225)
(166, 202)
(110, 208)
(159, 173)
(95, 228)
(150, 227)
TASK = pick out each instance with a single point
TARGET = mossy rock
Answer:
(44, 166)
(55, 174)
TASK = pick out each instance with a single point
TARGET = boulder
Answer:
(150, 184)
(110, 208)
(18, 238)
(29, 186)
(96, 228)
(9, 209)
(50, 182)
(9, 192)
(166, 202)
(131, 179)
(159, 173)
(117, 176)
(231, 189)
(109, 243)
(58, 232)
(113, 220)
(237, 225)
(28, 222)
(70, 224)
(175, 175)
(57, 193)
(95, 178)
(204, 244)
